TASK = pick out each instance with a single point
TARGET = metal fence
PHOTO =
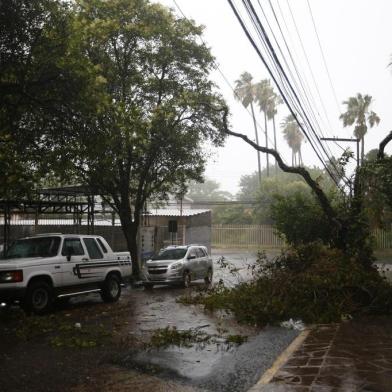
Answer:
(383, 239)
(238, 236)
(245, 236)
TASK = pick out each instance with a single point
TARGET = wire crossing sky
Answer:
(352, 35)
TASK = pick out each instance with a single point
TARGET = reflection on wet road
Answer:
(214, 365)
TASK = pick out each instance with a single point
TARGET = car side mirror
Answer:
(69, 253)
(191, 257)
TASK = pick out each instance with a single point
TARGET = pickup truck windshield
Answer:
(170, 254)
(33, 247)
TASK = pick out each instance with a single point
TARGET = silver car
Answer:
(178, 264)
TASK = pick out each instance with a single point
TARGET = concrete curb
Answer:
(282, 358)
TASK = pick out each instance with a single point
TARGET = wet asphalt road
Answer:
(212, 366)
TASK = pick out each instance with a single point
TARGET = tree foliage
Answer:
(294, 138)
(376, 178)
(145, 140)
(115, 95)
(208, 190)
(44, 83)
(246, 91)
(358, 113)
(313, 283)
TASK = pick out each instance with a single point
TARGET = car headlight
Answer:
(176, 266)
(11, 276)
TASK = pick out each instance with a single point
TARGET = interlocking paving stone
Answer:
(352, 356)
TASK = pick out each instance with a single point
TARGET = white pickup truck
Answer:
(37, 271)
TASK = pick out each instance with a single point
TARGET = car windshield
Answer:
(33, 247)
(170, 254)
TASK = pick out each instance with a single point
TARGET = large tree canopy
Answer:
(44, 81)
(147, 138)
(113, 94)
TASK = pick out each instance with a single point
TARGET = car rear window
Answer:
(76, 246)
(170, 254)
(103, 247)
(92, 248)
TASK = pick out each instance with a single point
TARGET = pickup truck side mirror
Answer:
(191, 257)
(69, 252)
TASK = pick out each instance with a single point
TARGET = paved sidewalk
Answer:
(352, 356)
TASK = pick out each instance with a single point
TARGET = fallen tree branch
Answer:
(322, 198)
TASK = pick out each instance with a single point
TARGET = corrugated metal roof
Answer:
(176, 212)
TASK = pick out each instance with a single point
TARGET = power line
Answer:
(286, 89)
(308, 64)
(303, 83)
(323, 56)
(264, 37)
(217, 67)
(309, 68)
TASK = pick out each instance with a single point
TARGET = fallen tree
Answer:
(312, 281)
(350, 230)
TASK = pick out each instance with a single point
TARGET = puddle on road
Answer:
(212, 365)
(190, 363)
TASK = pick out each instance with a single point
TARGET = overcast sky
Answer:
(356, 39)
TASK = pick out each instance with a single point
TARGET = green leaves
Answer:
(358, 113)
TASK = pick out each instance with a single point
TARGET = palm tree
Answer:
(263, 96)
(245, 91)
(358, 113)
(268, 101)
(272, 110)
(294, 138)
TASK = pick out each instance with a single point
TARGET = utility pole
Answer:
(338, 139)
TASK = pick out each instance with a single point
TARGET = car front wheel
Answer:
(186, 279)
(39, 298)
(208, 277)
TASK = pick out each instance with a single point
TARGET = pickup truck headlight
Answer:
(11, 276)
(176, 266)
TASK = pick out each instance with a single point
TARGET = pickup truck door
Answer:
(94, 269)
(73, 249)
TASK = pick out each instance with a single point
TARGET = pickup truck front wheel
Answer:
(111, 289)
(39, 298)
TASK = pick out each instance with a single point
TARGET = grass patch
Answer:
(56, 331)
(171, 336)
(236, 339)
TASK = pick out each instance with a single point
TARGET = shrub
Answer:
(300, 219)
(313, 283)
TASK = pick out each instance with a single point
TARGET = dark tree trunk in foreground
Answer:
(130, 231)
(383, 144)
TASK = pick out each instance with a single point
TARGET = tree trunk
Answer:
(275, 145)
(130, 230)
(362, 149)
(266, 141)
(257, 141)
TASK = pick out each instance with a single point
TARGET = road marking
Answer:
(283, 357)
